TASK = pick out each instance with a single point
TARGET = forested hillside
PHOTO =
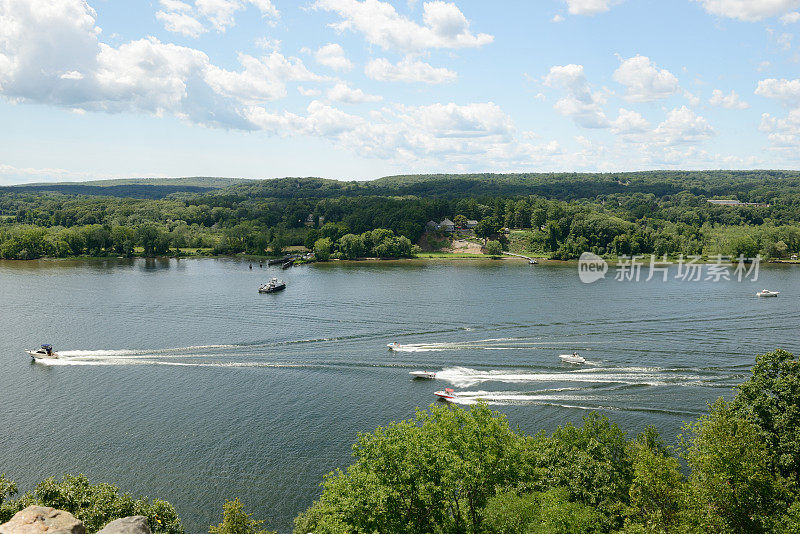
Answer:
(556, 215)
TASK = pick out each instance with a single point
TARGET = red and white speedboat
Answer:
(448, 394)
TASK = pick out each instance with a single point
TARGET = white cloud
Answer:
(791, 18)
(265, 43)
(731, 101)
(308, 92)
(643, 81)
(682, 126)
(444, 25)
(785, 91)
(581, 104)
(260, 79)
(629, 122)
(782, 133)
(748, 10)
(341, 92)
(557, 18)
(183, 23)
(408, 70)
(180, 17)
(332, 55)
(590, 7)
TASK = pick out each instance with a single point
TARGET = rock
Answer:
(136, 524)
(41, 519)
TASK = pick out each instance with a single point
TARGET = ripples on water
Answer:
(178, 380)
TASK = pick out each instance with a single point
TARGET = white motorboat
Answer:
(572, 358)
(272, 286)
(46, 352)
(393, 345)
(448, 394)
(423, 374)
(768, 293)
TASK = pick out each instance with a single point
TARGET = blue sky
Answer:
(356, 89)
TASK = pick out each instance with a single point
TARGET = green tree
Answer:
(770, 399)
(460, 221)
(549, 512)
(494, 248)
(434, 473)
(730, 485)
(487, 227)
(98, 504)
(322, 249)
(7, 489)
(236, 521)
(351, 246)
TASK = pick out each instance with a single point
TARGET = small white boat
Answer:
(448, 394)
(393, 345)
(532, 262)
(572, 358)
(423, 374)
(768, 293)
(46, 352)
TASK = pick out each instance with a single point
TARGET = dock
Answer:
(530, 260)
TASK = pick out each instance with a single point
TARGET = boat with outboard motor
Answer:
(572, 358)
(46, 352)
(423, 374)
(272, 286)
(394, 345)
(448, 394)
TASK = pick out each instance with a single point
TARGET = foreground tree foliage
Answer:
(452, 471)
(94, 504)
(236, 521)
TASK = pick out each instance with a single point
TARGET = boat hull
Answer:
(41, 355)
(444, 395)
(569, 358)
(273, 289)
(423, 374)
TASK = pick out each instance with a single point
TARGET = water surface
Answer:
(180, 381)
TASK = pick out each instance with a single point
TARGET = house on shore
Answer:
(447, 226)
(471, 224)
(736, 203)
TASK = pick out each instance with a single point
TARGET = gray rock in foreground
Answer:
(136, 524)
(41, 519)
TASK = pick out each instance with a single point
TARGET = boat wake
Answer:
(466, 377)
(506, 343)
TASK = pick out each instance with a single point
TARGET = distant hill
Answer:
(152, 188)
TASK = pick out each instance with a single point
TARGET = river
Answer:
(179, 381)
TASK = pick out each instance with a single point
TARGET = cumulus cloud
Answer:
(629, 122)
(581, 104)
(682, 126)
(791, 18)
(730, 101)
(181, 17)
(590, 7)
(443, 25)
(341, 92)
(748, 10)
(782, 132)
(643, 81)
(408, 70)
(332, 55)
(785, 91)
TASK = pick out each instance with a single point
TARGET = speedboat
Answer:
(272, 286)
(572, 358)
(393, 345)
(46, 352)
(448, 394)
(423, 374)
(768, 293)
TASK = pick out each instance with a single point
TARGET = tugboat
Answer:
(44, 353)
(272, 286)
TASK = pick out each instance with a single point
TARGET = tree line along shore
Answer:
(449, 470)
(556, 216)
